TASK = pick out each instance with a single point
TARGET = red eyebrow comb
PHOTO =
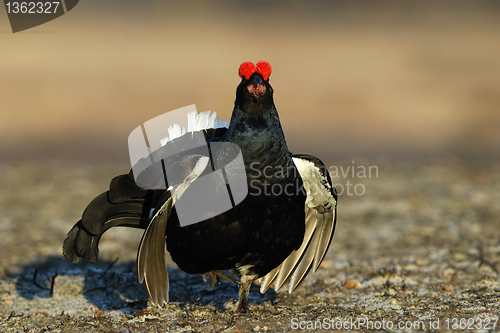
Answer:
(248, 68)
(264, 69)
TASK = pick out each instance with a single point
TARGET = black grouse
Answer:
(277, 233)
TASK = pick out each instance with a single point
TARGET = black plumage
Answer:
(278, 233)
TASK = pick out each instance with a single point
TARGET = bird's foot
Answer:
(226, 277)
(215, 276)
(241, 307)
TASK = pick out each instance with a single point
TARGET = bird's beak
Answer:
(256, 87)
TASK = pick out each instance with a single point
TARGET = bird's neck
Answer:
(260, 137)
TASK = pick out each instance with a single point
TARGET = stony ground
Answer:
(419, 248)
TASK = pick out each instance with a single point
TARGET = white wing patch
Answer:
(315, 184)
(196, 122)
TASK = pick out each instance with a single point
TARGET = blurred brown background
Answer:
(383, 76)
(410, 87)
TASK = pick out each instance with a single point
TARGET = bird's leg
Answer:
(245, 283)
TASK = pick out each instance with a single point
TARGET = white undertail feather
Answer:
(174, 131)
(196, 122)
(204, 120)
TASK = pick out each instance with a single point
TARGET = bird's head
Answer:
(254, 89)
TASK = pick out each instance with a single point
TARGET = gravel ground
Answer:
(420, 248)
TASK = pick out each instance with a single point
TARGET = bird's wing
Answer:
(151, 259)
(321, 215)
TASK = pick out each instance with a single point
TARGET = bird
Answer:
(276, 234)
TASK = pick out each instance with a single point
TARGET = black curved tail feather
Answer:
(124, 204)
